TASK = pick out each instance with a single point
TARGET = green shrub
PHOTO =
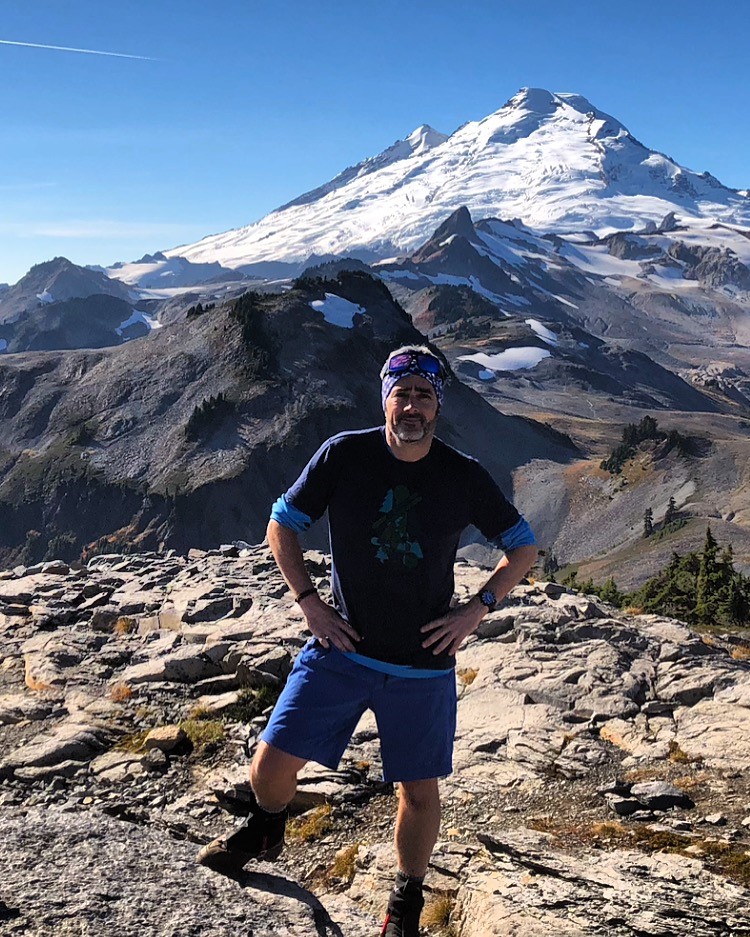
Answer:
(252, 703)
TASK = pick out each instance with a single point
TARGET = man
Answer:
(398, 499)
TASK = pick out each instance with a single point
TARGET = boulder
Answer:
(165, 738)
(69, 742)
(16, 707)
(183, 665)
(660, 795)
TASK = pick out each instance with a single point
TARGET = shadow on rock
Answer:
(278, 885)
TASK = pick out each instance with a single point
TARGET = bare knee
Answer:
(273, 775)
(420, 795)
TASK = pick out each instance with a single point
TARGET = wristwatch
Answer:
(488, 599)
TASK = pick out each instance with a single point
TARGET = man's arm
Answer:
(449, 632)
(322, 620)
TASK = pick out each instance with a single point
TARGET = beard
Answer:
(413, 429)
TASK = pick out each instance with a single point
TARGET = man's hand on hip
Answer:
(327, 625)
(449, 632)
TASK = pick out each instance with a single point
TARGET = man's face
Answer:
(411, 409)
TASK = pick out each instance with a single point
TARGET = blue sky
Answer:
(237, 107)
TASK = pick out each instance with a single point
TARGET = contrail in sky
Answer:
(37, 45)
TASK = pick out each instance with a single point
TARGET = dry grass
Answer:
(467, 675)
(553, 826)
(311, 825)
(206, 735)
(636, 775)
(344, 864)
(741, 652)
(691, 782)
(728, 859)
(633, 610)
(680, 757)
(437, 914)
(134, 741)
(125, 625)
(120, 692)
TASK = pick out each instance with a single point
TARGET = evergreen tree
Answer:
(671, 513)
(648, 522)
(550, 565)
(709, 582)
(610, 593)
(735, 609)
(700, 588)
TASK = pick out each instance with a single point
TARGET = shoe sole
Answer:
(218, 858)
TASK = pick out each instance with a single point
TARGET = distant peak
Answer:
(151, 258)
(541, 101)
(52, 266)
(425, 138)
(538, 100)
(531, 107)
(458, 223)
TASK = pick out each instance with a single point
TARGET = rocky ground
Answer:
(600, 780)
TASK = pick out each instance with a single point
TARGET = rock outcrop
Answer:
(599, 786)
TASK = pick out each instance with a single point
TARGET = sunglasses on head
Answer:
(406, 361)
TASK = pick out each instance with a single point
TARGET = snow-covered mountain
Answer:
(55, 281)
(554, 161)
(58, 304)
(159, 273)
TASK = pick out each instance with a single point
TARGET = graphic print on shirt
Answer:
(392, 529)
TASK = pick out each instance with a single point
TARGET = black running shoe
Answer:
(260, 837)
(404, 909)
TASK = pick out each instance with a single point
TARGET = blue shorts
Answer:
(325, 696)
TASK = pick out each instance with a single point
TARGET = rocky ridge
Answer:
(187, 438)
(599, 785)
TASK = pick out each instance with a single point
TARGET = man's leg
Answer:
(273, 778)
(315, 716)
(417, 825)
(417, 723)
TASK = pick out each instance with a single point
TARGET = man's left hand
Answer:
(449, 632)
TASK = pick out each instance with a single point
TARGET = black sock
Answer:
(406, 881)
(407, 896)
(265, 814)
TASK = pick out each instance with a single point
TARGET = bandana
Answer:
(390, 381)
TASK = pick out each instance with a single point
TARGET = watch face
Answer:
(488, 598)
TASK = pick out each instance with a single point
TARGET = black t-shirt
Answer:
(394, 529)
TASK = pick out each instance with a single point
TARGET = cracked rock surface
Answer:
(599, 785)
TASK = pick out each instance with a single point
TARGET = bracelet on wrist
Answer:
(304, 594)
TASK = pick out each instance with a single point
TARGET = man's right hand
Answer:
(327, 625)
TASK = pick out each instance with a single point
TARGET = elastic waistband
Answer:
(394, 670)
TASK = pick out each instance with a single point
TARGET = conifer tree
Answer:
(671, 513)
(550, 565)
(648, 522)
(709, 582)
(610, 593)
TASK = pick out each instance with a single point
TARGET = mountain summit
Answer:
(554, 161)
